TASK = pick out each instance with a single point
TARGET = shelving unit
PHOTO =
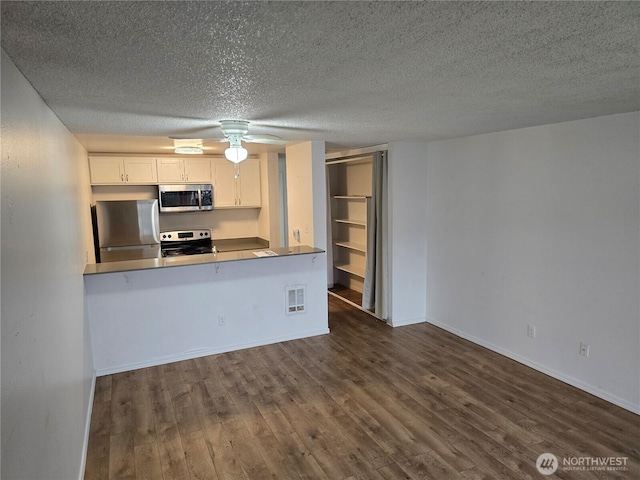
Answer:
(350, 190)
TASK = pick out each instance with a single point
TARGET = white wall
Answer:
(541, 226)
(408, 233)
(269, 214)
(47, 368)
(306, 194)
(151, 317)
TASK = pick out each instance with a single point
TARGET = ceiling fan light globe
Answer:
(236, 154)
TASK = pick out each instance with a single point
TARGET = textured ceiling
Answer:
(349, 73)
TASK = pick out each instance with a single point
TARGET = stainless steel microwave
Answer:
(185, 198)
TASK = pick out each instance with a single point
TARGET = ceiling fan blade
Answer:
(199, 139)
(268, 139)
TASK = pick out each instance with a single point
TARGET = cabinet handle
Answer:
(122, 177)
(127, 177)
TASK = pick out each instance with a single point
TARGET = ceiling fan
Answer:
(235, 132)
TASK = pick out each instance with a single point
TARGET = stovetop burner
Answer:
(186, 242)
(175, 252)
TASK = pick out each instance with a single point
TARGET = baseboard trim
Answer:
(409, 321)
(87, 428)
(203, 352)
(604, 395)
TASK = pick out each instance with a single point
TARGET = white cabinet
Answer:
(119, 170)
(184, 170)
(248, 184)
(236, 189)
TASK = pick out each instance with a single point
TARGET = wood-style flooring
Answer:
(347, 293)
(365, 402)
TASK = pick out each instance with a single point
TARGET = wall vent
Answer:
(296, 299)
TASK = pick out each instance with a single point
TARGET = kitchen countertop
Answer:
(164, 262)
(236, 244)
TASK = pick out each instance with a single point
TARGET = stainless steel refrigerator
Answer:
(127, 230)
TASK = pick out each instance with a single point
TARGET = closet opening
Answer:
(357, 229)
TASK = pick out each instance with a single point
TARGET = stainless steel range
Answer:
(186, 242)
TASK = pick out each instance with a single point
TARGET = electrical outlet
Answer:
(222, 321)
(531, 331)
(584, 349)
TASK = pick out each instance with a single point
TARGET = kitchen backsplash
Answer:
(233, 223)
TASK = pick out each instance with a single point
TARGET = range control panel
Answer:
(184, 235)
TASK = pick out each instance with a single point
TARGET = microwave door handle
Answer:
(199, 198)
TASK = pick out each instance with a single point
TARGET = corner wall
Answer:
(268, 217)
(408, 232)
(306, 194)
(541, 226)
(47, 367)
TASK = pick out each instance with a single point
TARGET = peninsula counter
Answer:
(156, 311)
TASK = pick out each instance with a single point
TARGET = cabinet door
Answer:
(248, 184)
(197, 170)
(170, 170)
(139, 170)
(224, 184)
(106, 170)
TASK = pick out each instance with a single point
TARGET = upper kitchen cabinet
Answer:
(184, 170)
(121, 170)
(236, 191)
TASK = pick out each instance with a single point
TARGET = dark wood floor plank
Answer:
(363, 445)
(98, 457)
(475, 473)
(268, 447)
(365, 402)
(472, 449)
(121, 413)
(394, 471)
(101, 419)
(121, 456)
(143, 419)
(246, 451)
(428, 465)
(315, 440)
(221, 404)
(299, 456)
(352, 454)
(147, 460)
(226, 463)
(197, 457)
(160, 397)
(172, 458)
(102, 391)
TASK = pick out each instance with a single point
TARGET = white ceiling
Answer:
(124, 76)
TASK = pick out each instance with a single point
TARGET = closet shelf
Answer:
(360, 247)
(360, 223)
(349, 268)
(350, 197)
(353, 160)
